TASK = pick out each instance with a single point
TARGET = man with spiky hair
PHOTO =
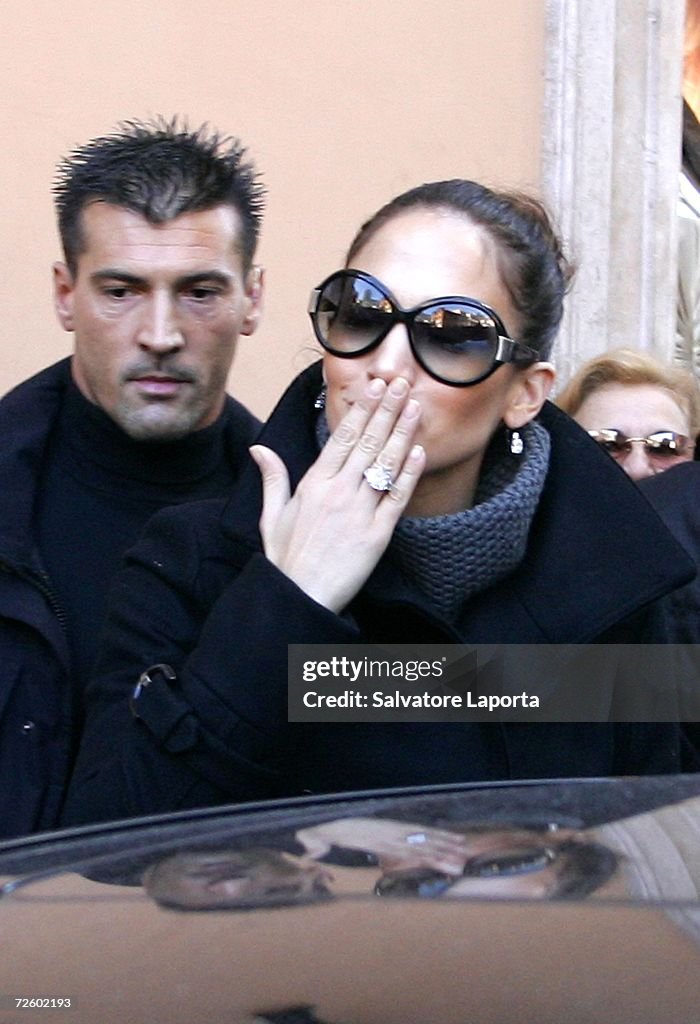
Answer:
(159, 226)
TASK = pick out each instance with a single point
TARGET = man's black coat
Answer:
(37, 693)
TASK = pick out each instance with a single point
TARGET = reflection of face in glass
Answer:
(511, 864)
(235, 880)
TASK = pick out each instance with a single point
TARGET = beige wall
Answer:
(341, 104)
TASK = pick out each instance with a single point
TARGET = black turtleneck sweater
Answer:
(98, 489)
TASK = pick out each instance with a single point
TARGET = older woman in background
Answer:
(645, 414)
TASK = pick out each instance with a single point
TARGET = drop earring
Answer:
(515, 443)
(320, 402)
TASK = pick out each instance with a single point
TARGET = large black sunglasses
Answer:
(457, 340)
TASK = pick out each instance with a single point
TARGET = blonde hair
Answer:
(628, 367)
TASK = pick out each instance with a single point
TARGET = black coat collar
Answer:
(28, 415)
(597, 552)
(290, 432)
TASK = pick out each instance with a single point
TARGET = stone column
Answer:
(610, 161)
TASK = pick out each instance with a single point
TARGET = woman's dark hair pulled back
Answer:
(534, 269)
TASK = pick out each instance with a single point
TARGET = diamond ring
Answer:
(378, 478)
(416, 838)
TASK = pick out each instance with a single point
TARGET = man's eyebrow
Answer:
(205, 276)
(115, 274)
(186, 281)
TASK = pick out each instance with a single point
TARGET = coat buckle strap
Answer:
(145, 679)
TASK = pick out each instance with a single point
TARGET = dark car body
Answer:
(85, 941)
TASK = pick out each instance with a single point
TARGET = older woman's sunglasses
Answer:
(457, 340)
(663, 444)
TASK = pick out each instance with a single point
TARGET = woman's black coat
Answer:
(198, 595)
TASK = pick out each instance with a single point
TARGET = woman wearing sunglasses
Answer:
(415, 488)
(644, 414)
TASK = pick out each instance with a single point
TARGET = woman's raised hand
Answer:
(396, 844)
(329, 535)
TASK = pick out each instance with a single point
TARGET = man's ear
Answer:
(254, 288)
(530, 391)
(63, 294)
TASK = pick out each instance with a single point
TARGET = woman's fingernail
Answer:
(398, 387)
(376, 388)
(412, 409)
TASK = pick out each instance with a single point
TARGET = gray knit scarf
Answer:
(452, 557)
